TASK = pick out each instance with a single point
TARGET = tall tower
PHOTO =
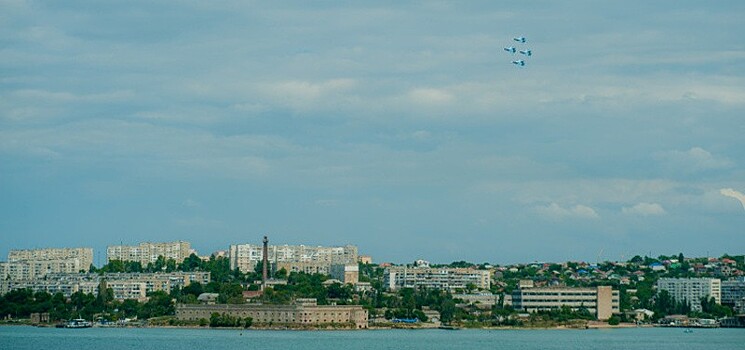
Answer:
(265, 262)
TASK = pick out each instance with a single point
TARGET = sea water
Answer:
(24, 337)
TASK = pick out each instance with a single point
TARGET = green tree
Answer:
(159, 304)
(191, 263)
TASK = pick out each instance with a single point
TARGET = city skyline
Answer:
(100, 257)
(403, 129)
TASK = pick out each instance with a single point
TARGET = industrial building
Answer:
(602, 301)
(304, 313)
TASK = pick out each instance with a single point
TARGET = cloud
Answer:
(556, 211)
(644, 209)
(429, 96)
(304, 95)
(734, 194)
(693, 160)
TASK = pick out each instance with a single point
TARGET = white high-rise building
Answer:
(397, 277)
(148, 252)
(299, 258)
(84, 255)
(692, 289)
(33, 263)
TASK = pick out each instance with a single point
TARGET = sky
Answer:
(399, 127)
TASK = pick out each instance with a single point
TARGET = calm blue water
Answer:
(181, 339)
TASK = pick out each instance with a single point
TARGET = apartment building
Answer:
(84, 255)
(602, 301)
(733, 291)
(124, 290)
(692, 289)
(148, 252)
(28, 264)
(397, 277)
(66, 288)
(125, 285)
(347, 273)
(293, 258)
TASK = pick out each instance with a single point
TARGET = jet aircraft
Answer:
(520, 39)
(510, 49)
(519, 63)
(526, 52)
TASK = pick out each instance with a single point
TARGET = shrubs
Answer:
(223, 320)
(614, 320)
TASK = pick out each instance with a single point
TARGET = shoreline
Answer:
(372, 328)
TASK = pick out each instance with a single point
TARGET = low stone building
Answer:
(296, 315)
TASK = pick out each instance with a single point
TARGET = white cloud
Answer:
(301, 93)
(565, 189)
(556, 211)
(694, 159)
(644, 209)
(734, 194)
(429, 96)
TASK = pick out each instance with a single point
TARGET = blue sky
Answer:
(400, 127)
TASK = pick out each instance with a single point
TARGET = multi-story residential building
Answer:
(397, 277)
(66, 287)
(16, 271)
(84, 255)
(33, 263)
(602, 301)
(147, 252)
(297, 258)
(124, 285)
(733, 290)
(160, 281)
(124, 290)
(692, 289)
(305, 314)
(347, 273)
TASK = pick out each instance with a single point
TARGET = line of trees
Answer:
(21, 303)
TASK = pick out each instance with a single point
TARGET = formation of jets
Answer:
(513, 50)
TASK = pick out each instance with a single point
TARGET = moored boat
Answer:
(78, 323)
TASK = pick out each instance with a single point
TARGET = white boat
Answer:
(78, 323)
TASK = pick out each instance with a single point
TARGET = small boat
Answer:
(688, 330)
(78, 323)
(448, 327)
